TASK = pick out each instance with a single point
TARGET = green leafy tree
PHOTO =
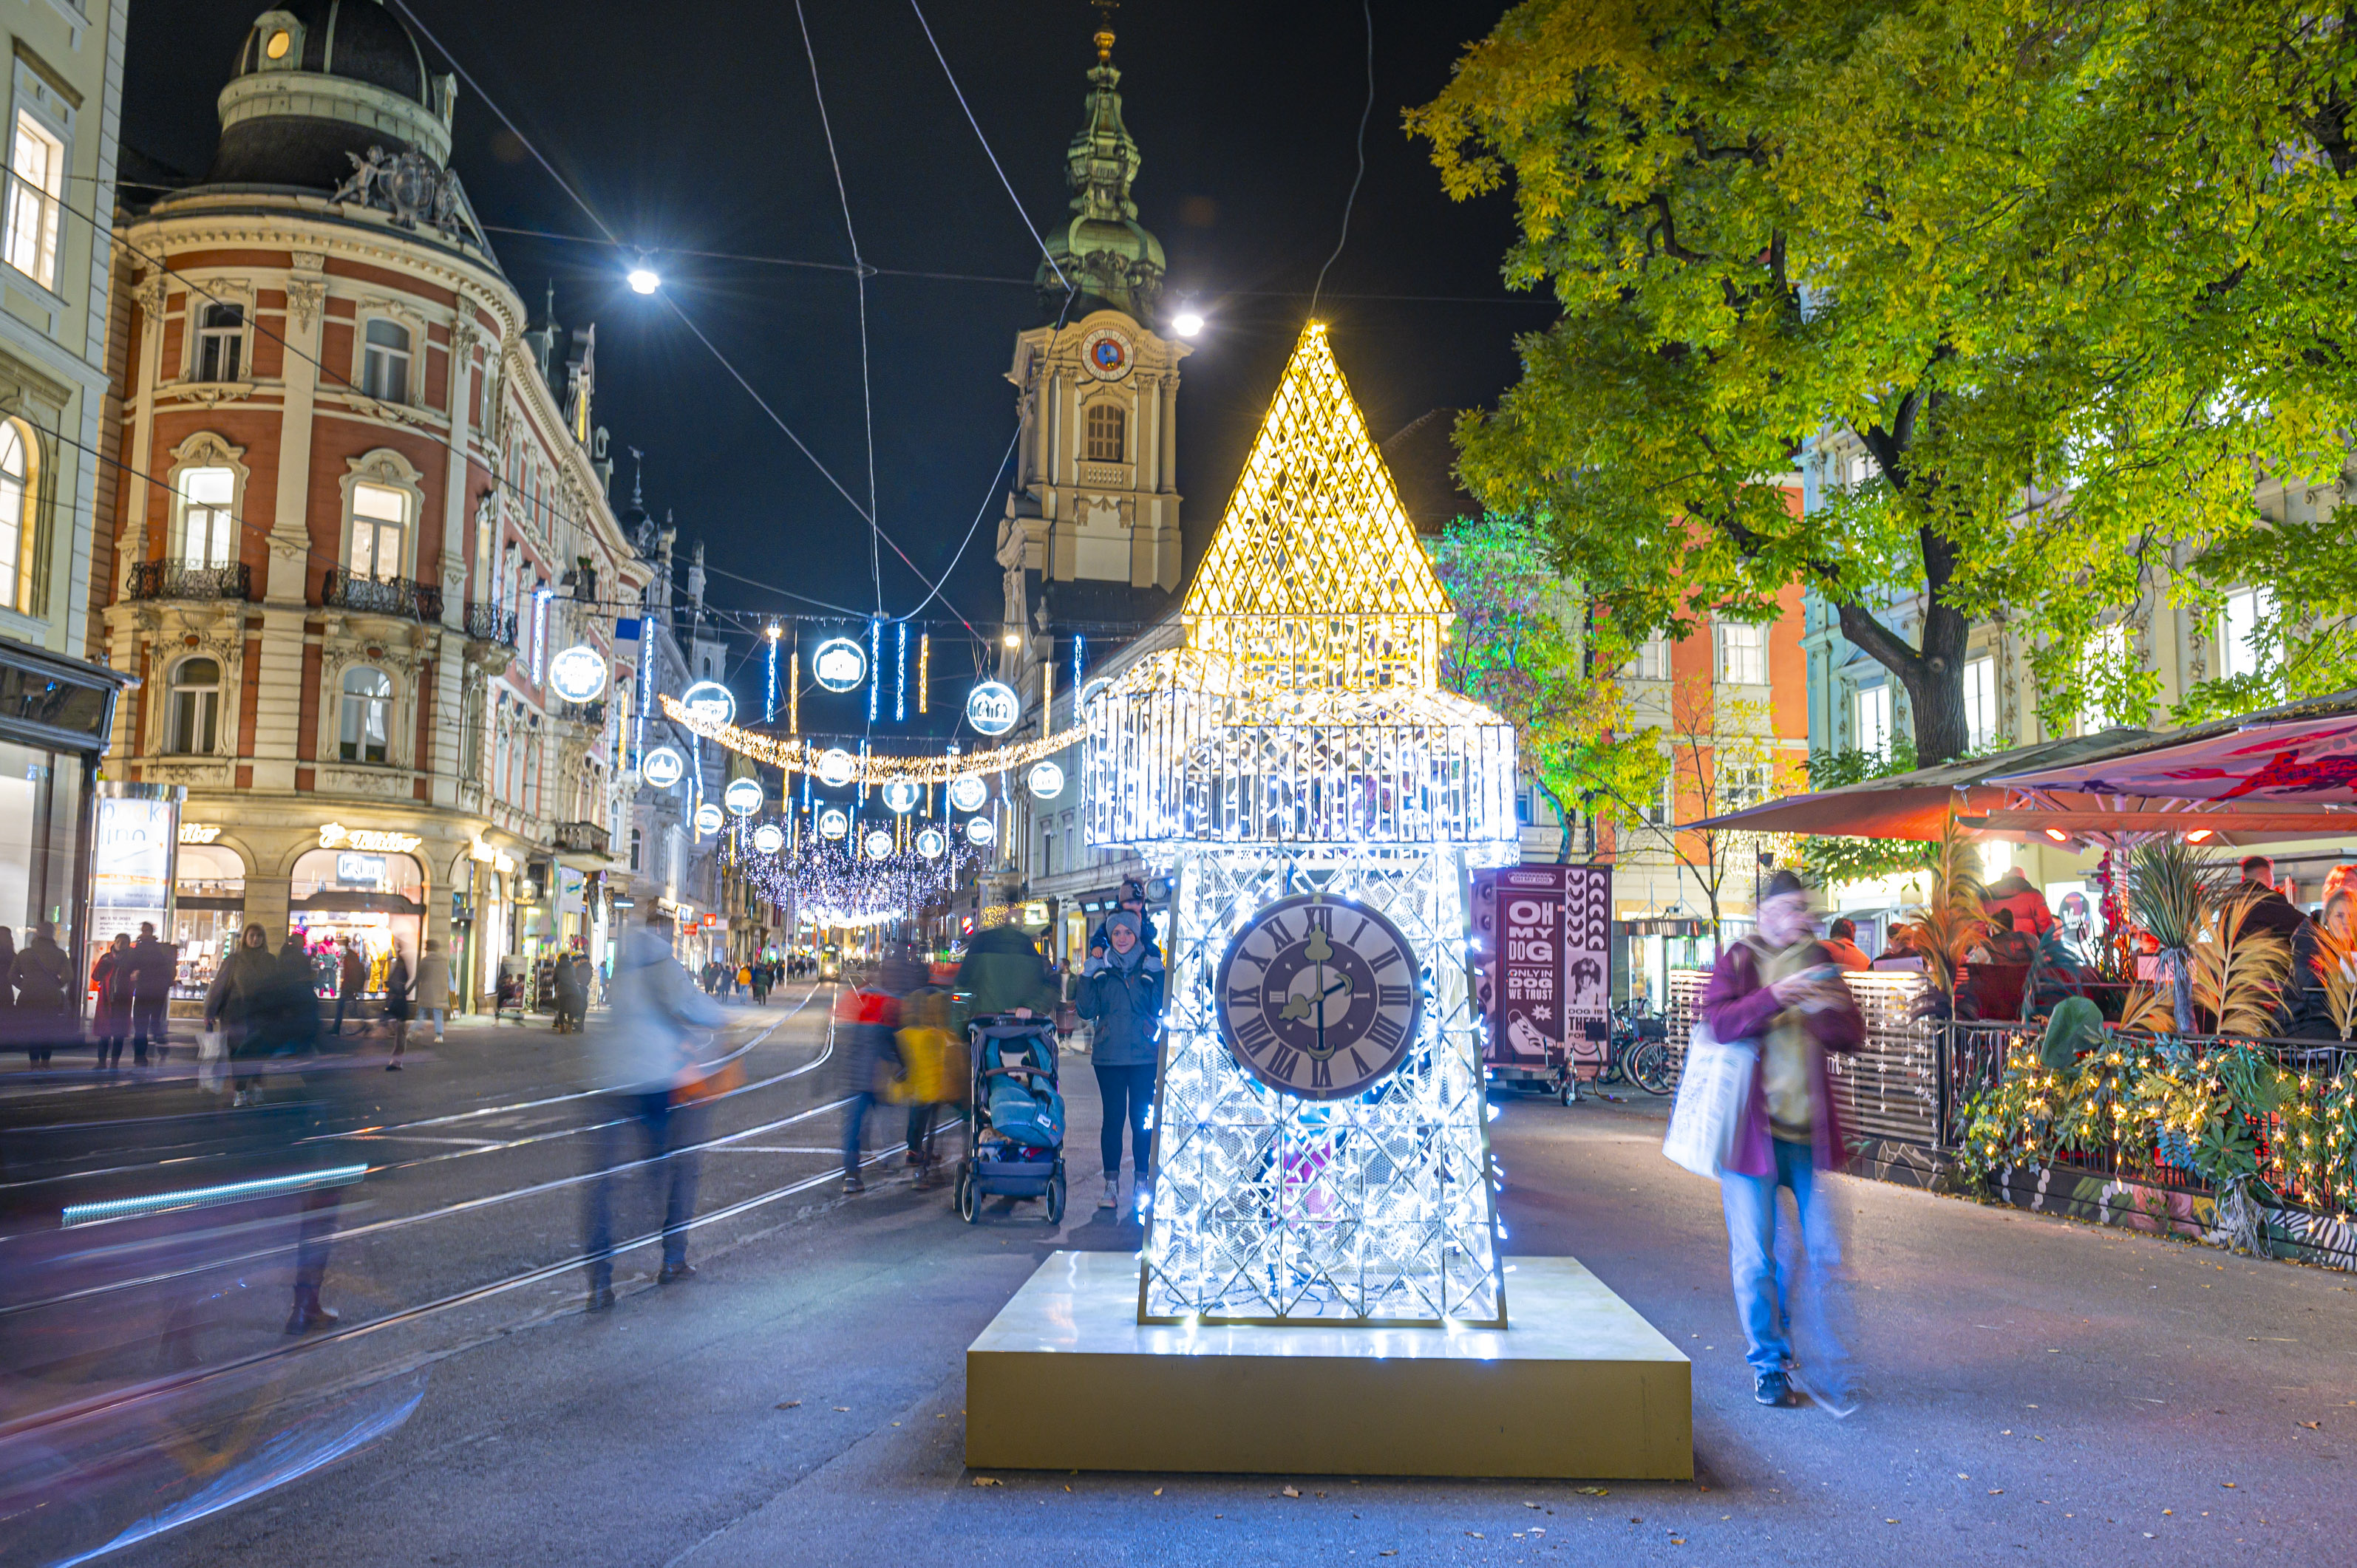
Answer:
(2070, 278)
(1522, 646)
(1827, 859)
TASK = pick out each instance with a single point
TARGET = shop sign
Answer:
(368, 870)
(335, 836)
(199, 832)
(1034, 913)
(484, 854)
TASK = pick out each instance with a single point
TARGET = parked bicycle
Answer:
(1636, 1051)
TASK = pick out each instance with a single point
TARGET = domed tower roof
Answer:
(319, 80)
(1113, 258)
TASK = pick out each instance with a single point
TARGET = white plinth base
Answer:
(1580, 1386)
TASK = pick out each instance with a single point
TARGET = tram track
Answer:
(464, 1206)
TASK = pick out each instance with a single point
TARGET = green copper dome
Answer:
(1113, 258)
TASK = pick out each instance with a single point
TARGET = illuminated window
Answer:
(207, 531)
(1742, 653)
(17, 552)
(192, 714)
(1108, 440)
(368, 714)
(37, 180)
(379, 521)
(221, 342)
(384, 365)
(2238, 631)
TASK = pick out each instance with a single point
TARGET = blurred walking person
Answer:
(293, 1029)
(875, 1051)
(396, 1005)
(1780, 991)
(8, 1034)
(110, 977)
(643, 1057)
(242, 1004)
(152, 968)
(433, 986)
(46, 1012)
(351, 979)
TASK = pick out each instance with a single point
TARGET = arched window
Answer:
(384, 364)
(1108, 433)
(208, 532)
(192, 710)
(380, 522)
(368, 714)
(17, 552)
(221, 342)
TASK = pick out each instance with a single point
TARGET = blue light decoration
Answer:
(769, 701)
(900, 695)
(1080, 663)
(540, 597)
(875, 664)
(646, 685)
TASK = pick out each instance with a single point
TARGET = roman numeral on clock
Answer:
(1281, 1063)
(1243, 996)
(1255, 1035)
(1322, 1074)
(1391, 995)
(1387, 1031)
(1321, 917)
(1384, 962)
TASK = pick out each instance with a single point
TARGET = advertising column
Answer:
(134, 836)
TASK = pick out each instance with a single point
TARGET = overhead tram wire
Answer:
(971, 529)
(996, 167)
(1353, 200)
(859, 280)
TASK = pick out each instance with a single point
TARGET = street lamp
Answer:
(643, 279)
(1187, 323)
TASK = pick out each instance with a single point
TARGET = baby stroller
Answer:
(1017, 1147)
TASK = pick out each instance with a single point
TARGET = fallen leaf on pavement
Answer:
(789, 1404)
(988, 1481)
(1157, 1491)
(1594, 1492)
(2312, 1425)
(1293, 1491)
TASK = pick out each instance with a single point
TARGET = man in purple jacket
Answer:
(1782, 992)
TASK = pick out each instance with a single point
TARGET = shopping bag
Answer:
(1714, 1092)
(213, 1054)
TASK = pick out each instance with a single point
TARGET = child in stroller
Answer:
(1018, 1148)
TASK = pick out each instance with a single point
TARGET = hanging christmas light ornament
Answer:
(967, 793)
(991, 707)
(900, 676)
(662, 768)
(743, 796)
(982, 831)
(931, 842)
(833, 823)
(708, 818)
(578, 673)
(878, 844)
(1047, 780)
(840, 664)
(924, 667)
(836, 766)
(711, 702)
(875, 662)
(900, 796)
(768, 839)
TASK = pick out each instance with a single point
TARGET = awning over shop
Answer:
(2300, 756)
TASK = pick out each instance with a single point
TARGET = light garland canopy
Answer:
(797, 756)
(1305, 708)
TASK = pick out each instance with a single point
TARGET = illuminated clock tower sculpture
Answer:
(1321, 1138)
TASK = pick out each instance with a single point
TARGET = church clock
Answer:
(1319, 997)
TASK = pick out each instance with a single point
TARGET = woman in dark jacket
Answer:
(111, 1020)
(44, 976)
(397, 1004)
(244, 1003)
(1121, 995)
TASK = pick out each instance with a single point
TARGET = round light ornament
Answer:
(768, 839)
(982, 831)
(1047, 780)
(833, 823)
(662, 768)
(840, 664)
(931, 842)
(743, 796)
(711, 702)
(1108, 353)
(878, 844)
(1318, 998)
(708, 818)
(578, 674)
(991, 707)
(901, 795)
(967, 793)
(836, 766)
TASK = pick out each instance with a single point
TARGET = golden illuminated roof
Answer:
(1316, 576)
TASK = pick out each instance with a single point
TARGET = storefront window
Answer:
(41, 793)
(208, 910)
(341, 897)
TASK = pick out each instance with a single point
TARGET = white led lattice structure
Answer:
(1300, 741)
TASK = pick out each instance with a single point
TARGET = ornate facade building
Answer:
(367, 511)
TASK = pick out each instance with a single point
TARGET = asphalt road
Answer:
(2038, 1390)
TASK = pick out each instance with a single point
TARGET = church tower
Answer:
(1091, 533)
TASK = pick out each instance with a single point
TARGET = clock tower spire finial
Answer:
(1105, 8)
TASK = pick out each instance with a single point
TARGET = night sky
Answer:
(692, 127)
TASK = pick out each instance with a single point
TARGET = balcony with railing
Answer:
(191, 580)
(581, 838)
(381, 595)
(592, 715)
(488, 622)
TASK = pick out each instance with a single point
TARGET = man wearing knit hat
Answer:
(1779, 991)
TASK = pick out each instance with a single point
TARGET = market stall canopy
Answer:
(2299, 756)
(1916, 805)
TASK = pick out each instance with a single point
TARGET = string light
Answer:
(900, 675)
(924, 667)
(795, 756)
(794, 693)
(875, 664)
(770, 703)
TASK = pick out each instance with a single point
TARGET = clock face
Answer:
(1319, 997)
(1106, 353)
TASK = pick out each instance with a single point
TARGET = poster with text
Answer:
(1541, 934)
